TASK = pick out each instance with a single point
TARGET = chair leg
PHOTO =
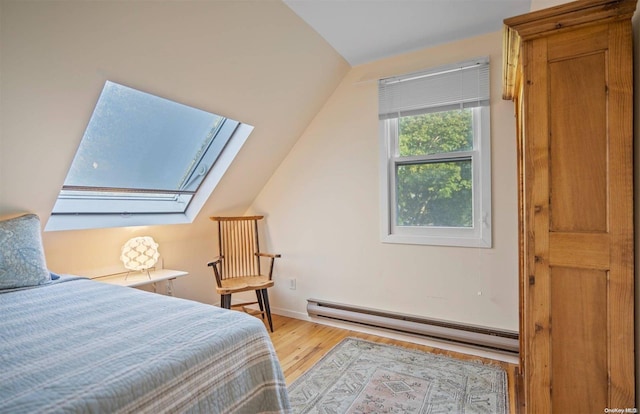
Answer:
(225, 301)
(259, 296)
(265, 298)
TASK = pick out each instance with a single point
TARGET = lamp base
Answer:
(146, 270)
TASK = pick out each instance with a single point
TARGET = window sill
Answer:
(437, 241)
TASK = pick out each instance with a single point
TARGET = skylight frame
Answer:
(83, 207)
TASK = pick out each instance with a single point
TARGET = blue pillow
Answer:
(22, 261)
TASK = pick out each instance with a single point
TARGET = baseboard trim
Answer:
(399, 336)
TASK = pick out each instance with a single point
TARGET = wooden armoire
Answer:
(569, 70)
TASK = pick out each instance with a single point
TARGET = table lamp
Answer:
(140, 253)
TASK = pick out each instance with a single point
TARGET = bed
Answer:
(74, 345)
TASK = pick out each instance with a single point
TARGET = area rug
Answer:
(359, 376)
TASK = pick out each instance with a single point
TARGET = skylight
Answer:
(144, 160)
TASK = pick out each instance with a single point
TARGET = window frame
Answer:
(135, 200)
(479, 235)
(83, 204)
(95, 221)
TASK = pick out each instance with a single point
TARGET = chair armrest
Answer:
(215, 264)
(273, 256)
(215, 261)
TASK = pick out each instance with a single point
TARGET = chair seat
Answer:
(244, 283)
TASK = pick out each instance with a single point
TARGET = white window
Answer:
(144, 160)
(435, 156)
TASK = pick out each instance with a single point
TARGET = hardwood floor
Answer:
(300, 344)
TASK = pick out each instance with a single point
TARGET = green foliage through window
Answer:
(436, 132)
(436, 191)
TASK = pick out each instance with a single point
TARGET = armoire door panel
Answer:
(581, 250)
(578, 340)
(578, 144)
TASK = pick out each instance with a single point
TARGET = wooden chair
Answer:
(237, 267)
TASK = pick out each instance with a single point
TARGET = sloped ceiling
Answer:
(253, 61)
(367, 30)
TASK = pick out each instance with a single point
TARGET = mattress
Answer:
(77, 345)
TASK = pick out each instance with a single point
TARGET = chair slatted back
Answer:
(238, 243)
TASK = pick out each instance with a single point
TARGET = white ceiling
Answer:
(367, 30)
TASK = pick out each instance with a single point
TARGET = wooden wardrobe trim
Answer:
(555, 19)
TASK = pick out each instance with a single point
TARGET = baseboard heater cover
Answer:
(472, 335)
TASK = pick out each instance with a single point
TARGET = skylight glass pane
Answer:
(142, 154)
(136, 140)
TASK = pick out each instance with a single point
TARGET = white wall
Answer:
(323, 211)
(545, 4)
(254, 61)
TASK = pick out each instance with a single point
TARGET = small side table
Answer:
(134, 279)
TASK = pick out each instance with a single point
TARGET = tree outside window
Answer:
(435, 191)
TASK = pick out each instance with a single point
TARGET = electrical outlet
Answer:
(292, 283)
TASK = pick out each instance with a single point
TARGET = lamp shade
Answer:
(140, 253)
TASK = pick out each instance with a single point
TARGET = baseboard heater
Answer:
(470, 335)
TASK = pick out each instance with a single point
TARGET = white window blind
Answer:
(462, 85)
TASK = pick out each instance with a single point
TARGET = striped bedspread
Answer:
(80, 346)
